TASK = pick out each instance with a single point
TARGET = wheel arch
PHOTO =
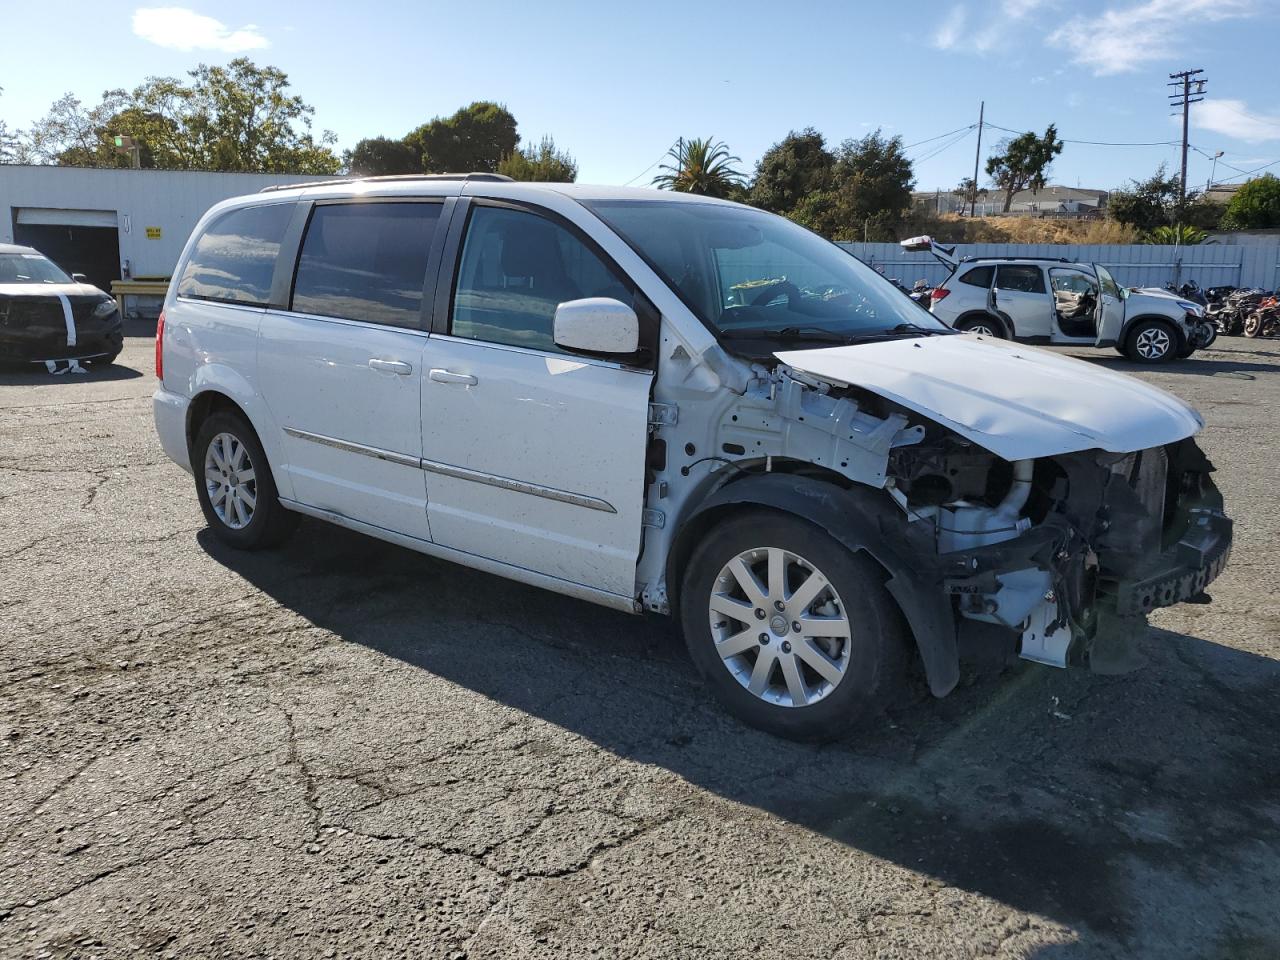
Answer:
(987, 316)
(863, 520)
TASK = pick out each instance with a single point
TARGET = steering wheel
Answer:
(772, 290)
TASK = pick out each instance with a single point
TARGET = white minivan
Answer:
(666, 403)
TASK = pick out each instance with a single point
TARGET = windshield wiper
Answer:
(916, 328)
(788, 333)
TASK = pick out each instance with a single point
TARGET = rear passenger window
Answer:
(366, 261)
(1025, 279)
(234, 259)
(516, 268)
(979, 276)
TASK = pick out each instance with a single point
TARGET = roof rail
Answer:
(393, 178)
(1045, 259)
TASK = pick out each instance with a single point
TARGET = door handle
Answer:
(398, 367)
(448, 376)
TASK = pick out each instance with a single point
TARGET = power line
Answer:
(940, 136)
(1249, 116)
(650, 166)
(1099, 143)
(964, 135)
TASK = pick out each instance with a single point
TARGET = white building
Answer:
(110, 223)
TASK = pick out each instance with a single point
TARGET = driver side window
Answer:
(516, 268)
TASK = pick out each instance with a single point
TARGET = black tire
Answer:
(1186, 350)
(876, 653)
(1144, 335)
(992, 327)
(270, 523)
(1252, 327)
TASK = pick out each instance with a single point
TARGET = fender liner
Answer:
(862, 519)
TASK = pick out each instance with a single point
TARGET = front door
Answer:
(1075, 305)
(1020, 295)
(1110, 309)
(535, 457)
(341, 370)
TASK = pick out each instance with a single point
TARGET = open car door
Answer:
(1110, 309)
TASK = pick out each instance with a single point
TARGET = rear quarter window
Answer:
(979, 276)
(235, 258)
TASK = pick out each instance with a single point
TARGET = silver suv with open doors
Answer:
(1055, 301)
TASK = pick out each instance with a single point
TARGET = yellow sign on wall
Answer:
(153, 233)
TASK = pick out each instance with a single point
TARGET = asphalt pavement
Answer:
(343, 748)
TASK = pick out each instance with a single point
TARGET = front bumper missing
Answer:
(1183, 571)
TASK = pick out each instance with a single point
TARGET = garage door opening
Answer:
(79, 241)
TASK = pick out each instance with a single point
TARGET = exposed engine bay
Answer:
(1053, 556)
(1066, 550)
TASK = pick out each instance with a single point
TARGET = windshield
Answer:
(29, 268)
(750, 275)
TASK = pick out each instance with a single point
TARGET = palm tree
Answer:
(702, 166)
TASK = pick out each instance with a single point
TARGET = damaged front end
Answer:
(1061, 558)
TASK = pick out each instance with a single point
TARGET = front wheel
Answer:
(234, 484)
(794, 633)
(1151, 341)
(1253, 326)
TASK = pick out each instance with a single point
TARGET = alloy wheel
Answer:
(780, 627)
(230, 481)
(1153, 343)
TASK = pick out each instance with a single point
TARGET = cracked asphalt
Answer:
(342, 748)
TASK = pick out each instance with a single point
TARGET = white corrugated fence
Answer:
(1133, 265)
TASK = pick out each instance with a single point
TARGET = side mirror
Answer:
(596, 325)
(79, 278)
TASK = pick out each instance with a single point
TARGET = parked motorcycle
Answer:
(1234, 309)
(1264, 319)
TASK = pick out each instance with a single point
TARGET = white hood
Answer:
(1016, 401)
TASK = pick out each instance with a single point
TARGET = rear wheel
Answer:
(795, 633)
(1253, 326)
(984, 326)
(1151, 341)
(234, 484)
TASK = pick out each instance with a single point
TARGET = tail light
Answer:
(160, 347)
(939, 293)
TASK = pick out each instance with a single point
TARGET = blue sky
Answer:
(617, 83)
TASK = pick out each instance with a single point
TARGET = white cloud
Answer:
(991, 33)
(1125, 39)
(179, 28)
(1233, 118)
(952, 30)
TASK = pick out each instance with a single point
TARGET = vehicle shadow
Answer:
(1047, 790)
(1193, 365)
(12, 375)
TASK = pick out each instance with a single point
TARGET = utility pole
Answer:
(977, 155)
(1213, 171)
(1188, 87)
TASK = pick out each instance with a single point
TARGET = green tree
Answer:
(1146, 204)
(791, 171)
(543, 163)
(13, 148)
(382, 157)
(1255, 206)
(475, 139)
(1023, 162)
(873, 183)
(1181, 234)
(234, 117)
(703, 166)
